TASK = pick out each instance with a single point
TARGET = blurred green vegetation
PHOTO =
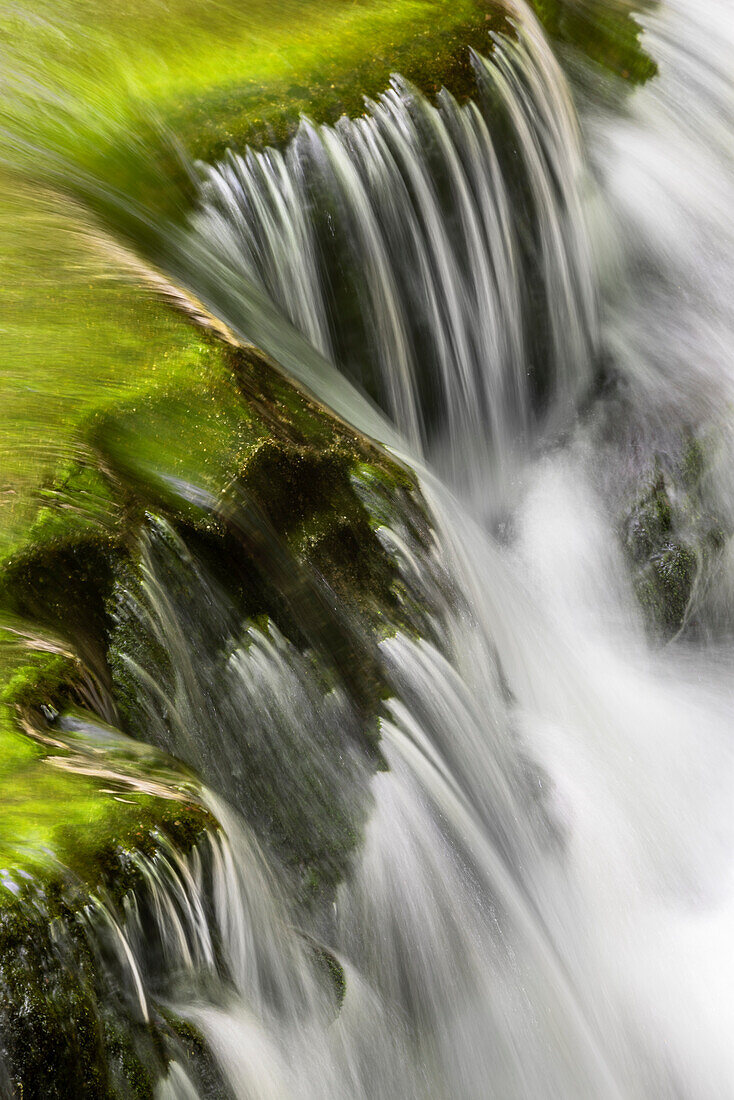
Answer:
(62, 808)
(70, 338)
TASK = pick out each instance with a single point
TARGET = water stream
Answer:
(529, 298)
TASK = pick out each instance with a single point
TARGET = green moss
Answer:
(354, 56)
(45, 682)
(693, 464)
(193, 433)
(78, 498)
(298, 466)
(665, 584)
(649, 523)
(214, 75)
(274, 510)
(47, 582)
(70, 340)
(134, 1066)
(51, 1036)
(673, 540)
(78, 800)
(62, 585)
(334, 971)
(198, 1059)
(605, 31)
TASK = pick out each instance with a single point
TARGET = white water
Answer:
(398, 246)
(543, 905)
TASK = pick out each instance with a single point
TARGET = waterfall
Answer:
(553, 819)
(453, 282)
(518, 884)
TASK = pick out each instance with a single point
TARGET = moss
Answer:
(47, 682)
(200, 1064)
(284, 456)
(64, 1029)
(172, 438)
(63, 585)
(133, 1067)
(292, 543)
(358, 50)
(333, 971)
(78, 498)
(276, 503)
(693, 463)
(52, 1042)
(77, 793)
(673, 539)
(605, 31)
(326, 85)
(649, 523)
(665, 584)
(80, 806)
(238, 74)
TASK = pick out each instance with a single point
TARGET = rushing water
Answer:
(543, 901)
(457, 287)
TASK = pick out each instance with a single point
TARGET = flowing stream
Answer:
(542, 902)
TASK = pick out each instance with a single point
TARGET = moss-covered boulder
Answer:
(672, 537)
(254, 520)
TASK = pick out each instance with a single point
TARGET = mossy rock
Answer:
(672, 538)
(665, 584)
(360, 48)
(604, 31)
(276, 454)
(276, 505)
(81, 806)
(62, 585)
(200, 1064)
(650, 521)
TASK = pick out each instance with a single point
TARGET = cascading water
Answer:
(536, 896)
(396, 243)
